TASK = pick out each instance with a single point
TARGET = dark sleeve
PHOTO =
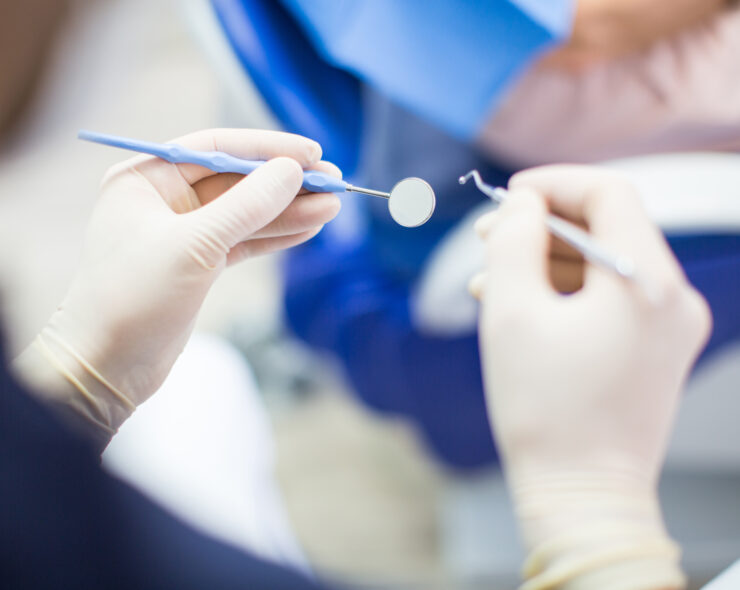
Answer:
(67, 524)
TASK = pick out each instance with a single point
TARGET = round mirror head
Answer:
(412, 202)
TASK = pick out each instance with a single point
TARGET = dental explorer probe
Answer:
(566, 231)
(411, 201)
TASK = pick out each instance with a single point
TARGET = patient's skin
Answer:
(27, 32)
(607, 29)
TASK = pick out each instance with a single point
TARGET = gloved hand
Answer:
(159, 237)
(440, 302)
(582, 389)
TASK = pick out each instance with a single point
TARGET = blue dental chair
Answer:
(348, 291)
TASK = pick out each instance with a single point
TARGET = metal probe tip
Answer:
(566, 231)
(498, 195)
(366, 191)
(465, 177)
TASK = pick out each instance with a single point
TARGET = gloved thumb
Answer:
(517, 248)
(250, 204)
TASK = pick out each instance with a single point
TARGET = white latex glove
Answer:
(582, 389)
(159, 237)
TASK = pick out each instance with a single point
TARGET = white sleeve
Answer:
(727, 580)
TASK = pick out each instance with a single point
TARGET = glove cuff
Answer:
(602, 556)
(70, 383)
(598, 530)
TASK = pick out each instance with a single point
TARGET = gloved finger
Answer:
(485, 224)
(517, 249)
(211, 187)
(477, 285)
(613, 212)
(258, 247)
(173, 182)
(250, 204)
(569, 189)
(304, 213)
(249, 144)
(566, 276)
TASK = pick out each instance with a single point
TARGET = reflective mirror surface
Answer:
(412, 202)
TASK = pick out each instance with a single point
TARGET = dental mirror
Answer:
(411, 202)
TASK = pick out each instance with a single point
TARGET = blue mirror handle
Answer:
(216, 161)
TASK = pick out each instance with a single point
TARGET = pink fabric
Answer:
(682, 94)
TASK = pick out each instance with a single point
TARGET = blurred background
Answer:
(366, 496)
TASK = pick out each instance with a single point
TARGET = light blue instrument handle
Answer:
(316, 182)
